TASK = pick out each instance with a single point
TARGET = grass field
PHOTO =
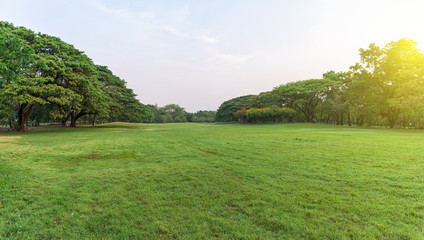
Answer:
(212, 181)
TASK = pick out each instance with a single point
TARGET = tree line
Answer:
(173, 113)
(44, 79)
(385, 88)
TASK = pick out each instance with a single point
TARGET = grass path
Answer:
(205, 181)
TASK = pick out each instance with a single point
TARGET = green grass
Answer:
(212, 181)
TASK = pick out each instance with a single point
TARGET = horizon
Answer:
(200, 54)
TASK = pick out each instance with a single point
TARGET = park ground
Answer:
(212, 181)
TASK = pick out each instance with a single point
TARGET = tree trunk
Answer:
(392, 123)
(74, 118)
(23, 115)
(12, 127)
(341, 118)
(348, 119)
(94, 119)
(361, 121)
(64, 120)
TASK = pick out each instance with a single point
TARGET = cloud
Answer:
(176, 32)
(230, 58)
(201, 37)
(207, 39)
(122, 13)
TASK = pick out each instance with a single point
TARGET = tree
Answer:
(382, 82)
(76, 72)
(175, 113)
(336, 103)
(201, 116)
(122, 101)
(265, 115)
(24, 84)
(303, 96)
(227, 109)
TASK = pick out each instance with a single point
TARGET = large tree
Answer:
(175, 113)
(123, 104)
(335, 104)
(387, 81)
(73, 70)
(24, 82)
(304, 96)
(227, 109)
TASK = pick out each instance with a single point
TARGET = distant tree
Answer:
(175, 112)
(227, 109)
(149, 114)
(335, 103)
(202, 116)
(304, 96)
(189, 117)
(122, 102)
(265, 115)
(265, 99)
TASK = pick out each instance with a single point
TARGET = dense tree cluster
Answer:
(227, 109)
(44, 78)
(173, 113)
(385, 88)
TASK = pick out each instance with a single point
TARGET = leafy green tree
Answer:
(202, 116)
(383, 81)
(227, 109)
(303, 96)
(149, 114)
(24, 82)
(75, 71)
(265, 115)
(265, 99)
(122, 101)
(175, 113)
(335, 103)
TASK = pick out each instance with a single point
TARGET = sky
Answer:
(200, 53)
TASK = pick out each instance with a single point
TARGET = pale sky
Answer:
(200, 53)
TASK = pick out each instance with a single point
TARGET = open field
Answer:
(212, 181)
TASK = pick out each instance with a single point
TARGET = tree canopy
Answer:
(45, 78)
(386, 88)
(42, 71)
(227, 109)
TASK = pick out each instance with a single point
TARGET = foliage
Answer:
(385, 88)
(227, 109)
(170, 113)
(202, 116)
(335, 104)
(122, 101)
(265, 115)
(262, 100)
(174, 113)
(38, 70)
(388, 81)
(25, 82)
(304, 96)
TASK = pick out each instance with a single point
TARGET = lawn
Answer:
(212, 181)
